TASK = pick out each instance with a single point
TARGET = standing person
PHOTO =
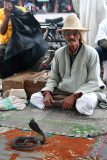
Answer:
(101, 41)
(91, 13)
(68, 8)
(5, 26)
(75, 71)
(64, 6)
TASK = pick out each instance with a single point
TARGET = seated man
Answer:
(76, 71)
(5, 26)
(101, 40)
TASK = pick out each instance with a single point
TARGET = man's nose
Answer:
(71, 35)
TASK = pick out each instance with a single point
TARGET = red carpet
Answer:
(57, 148)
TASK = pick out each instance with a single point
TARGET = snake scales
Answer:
(20, 142)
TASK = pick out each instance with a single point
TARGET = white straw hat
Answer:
(72, 22)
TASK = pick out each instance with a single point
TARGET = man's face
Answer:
(5, 2)
(72, 37)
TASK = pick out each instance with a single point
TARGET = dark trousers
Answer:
(2, 51)
(102, 54)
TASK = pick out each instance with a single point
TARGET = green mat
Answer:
(57, 121)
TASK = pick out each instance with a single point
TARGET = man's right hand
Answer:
(48, 100)
(8, 10)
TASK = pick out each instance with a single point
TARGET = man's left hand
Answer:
(69, 101)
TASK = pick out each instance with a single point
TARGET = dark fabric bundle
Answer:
(26, 45)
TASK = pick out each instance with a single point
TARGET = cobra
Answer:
(20, 142)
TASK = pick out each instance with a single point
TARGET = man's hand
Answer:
(8, 10)
(48, 100)
(69, 101)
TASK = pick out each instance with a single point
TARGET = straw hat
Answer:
(72, 22)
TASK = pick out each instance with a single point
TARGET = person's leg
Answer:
(102, 54)
(105, 71)
(2, 51)
(37, 100)
(87, 103)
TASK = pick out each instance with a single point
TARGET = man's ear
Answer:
(79, 36)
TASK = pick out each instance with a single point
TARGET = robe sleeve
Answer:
(102, 31)
(54, 79)
(93, 79)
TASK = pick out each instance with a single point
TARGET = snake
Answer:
(20, 142)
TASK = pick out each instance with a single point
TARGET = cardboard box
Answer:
(30, 81)
(35, 84)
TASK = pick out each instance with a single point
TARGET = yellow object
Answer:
(5, 38)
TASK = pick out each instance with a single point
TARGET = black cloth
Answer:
(102, 54)
(26, 45)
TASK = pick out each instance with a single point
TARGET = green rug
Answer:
(57, 121)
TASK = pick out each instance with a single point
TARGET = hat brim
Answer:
(78, 29)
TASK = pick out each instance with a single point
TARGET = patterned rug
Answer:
(57, 148)
(57, 121)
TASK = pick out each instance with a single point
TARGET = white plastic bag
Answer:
(12, 102)
(13, 99)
